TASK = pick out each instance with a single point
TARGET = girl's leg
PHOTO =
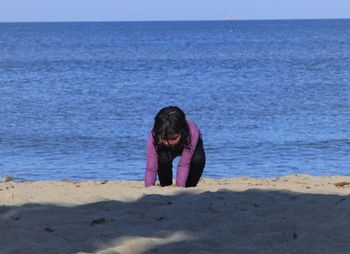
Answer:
(165, 168)
(197, 165)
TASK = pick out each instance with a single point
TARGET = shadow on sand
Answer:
(254, 221)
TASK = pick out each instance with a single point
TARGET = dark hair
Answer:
(168, 122)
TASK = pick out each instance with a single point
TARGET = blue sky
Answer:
(136, 10)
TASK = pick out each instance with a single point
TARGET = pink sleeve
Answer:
(151, 163)
(185, 161)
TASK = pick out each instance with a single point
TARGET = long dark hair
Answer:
(169, 122)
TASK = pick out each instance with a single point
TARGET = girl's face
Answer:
(171, 141)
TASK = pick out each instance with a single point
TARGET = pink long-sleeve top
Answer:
(184, 163)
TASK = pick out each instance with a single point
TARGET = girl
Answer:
(173, 135)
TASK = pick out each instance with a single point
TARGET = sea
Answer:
(271, 97)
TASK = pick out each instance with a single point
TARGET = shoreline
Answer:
(295, 213)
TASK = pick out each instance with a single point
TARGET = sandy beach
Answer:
(292, 214)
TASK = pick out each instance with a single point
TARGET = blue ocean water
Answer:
(270, 97)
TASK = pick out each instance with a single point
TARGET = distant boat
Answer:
(231, 18)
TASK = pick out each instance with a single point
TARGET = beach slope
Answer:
(291, 214)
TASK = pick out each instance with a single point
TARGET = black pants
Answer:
(165, 164)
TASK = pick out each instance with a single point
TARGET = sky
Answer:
(147, 10)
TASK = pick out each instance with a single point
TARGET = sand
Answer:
(292, 214)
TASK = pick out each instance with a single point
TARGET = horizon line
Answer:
(177, 20)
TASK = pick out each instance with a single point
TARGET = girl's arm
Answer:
(151, 163)
(185, 161)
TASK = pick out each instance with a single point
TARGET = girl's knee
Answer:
(198, 160)
(164, 158)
